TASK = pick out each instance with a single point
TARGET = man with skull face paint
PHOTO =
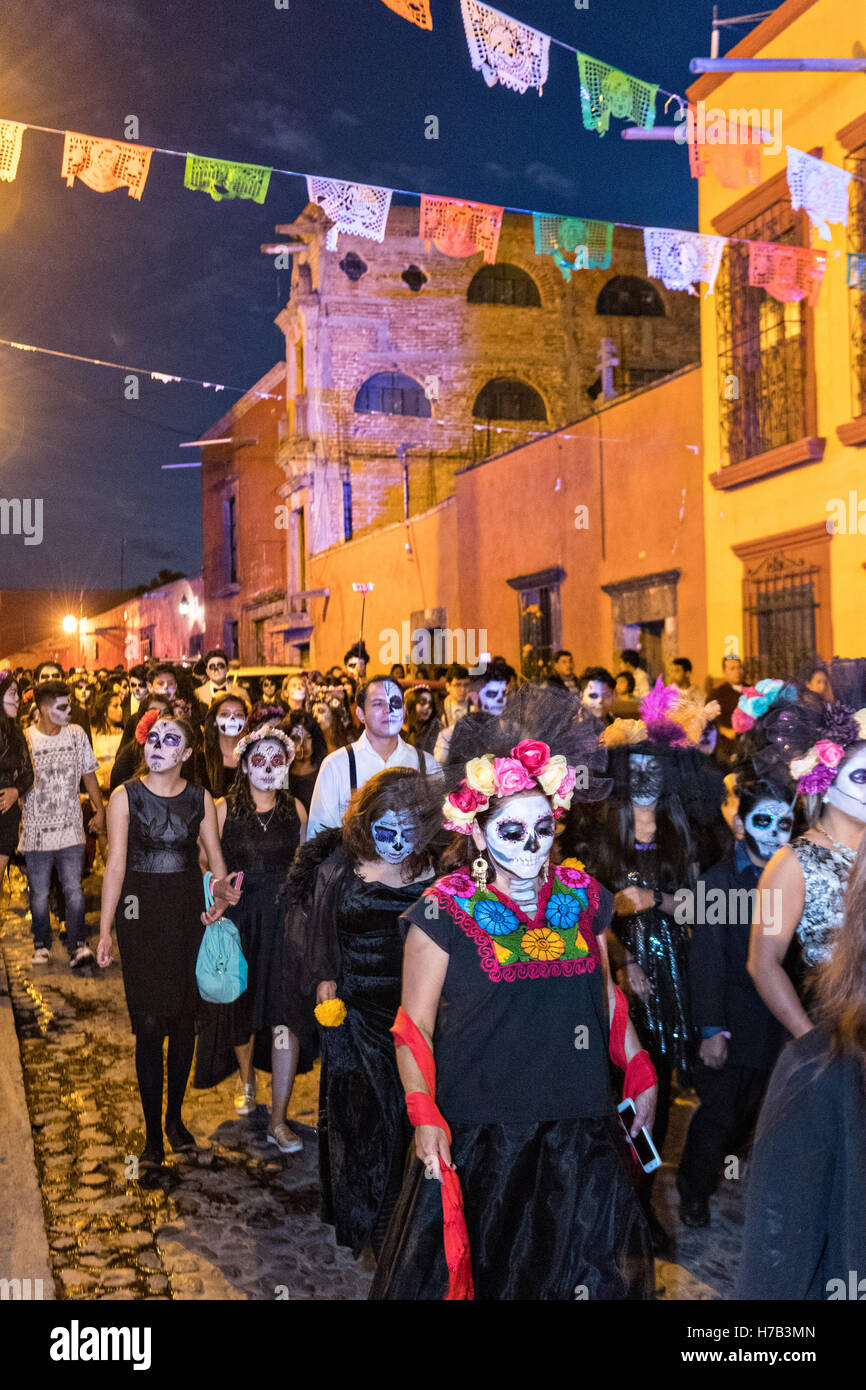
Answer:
(740, 1037)
(823, 746)
(350, 948)
(380, 709)
(502, 1039)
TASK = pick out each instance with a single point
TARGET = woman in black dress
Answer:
(261, 825)
(310, 752)
(351, 950)
(16, 769)
(508, 1014)
(152, 890)
(223, 726)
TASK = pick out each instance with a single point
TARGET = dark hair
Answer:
(162, 668)
(177, 714)
(684, 662)
(628, 678)
(41, 667)
(50, 690)
(413, 723)
(139, 672)
(387, 791)
(731, 656)
(456, 673)
(562, 652)
(265, 712)
(398, 666)
(631, 656)
(363, 689)
(358, 649)
(497, 670)
(217, 651)
(307, 721)
(597, 673)
(99, 722)
(841, 981)
(9, 731)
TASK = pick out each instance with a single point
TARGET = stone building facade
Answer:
(404, 366)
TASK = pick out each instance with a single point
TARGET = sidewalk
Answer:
(23, 1242)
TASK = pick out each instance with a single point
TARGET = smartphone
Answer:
(644, 1148)
(239, 878)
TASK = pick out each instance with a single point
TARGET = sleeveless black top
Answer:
(260, 845)
(163, 830)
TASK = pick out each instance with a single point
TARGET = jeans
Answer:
(69, 863)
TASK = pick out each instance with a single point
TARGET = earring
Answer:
(479, 872)
(825, 800)
(545, 869)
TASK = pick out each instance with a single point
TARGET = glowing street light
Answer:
(70, 623)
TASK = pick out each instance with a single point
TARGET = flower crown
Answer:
(530, 762)
(667, 717)
(264, 731)
(756, 700)
(816, 770)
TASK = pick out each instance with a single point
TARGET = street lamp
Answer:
(184, 606)
(70, 623)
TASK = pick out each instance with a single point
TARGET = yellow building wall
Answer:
(812, 107)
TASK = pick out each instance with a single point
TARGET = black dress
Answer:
(16, 770)
(264, 856)
(302, 785)
(158, 918)
(521, 1046)
(364, 1131)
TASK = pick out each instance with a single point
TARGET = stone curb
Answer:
(23, 1242)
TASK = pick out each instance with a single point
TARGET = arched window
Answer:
(503, 284)
(506, 399)
(391, 393)
(628, 295)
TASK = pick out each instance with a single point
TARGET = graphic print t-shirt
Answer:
(51, 811)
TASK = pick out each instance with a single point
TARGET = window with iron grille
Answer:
(391, 393)
(503, 284)
(507, 399)
(763, 345)
(855, 163)
(780, 607)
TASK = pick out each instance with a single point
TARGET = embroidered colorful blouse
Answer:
(522, 1029)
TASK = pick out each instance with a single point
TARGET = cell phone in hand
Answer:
(239, 878)
(645, 1150)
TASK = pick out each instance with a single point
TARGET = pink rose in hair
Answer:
(465, 799)
(830, 754)
(511, 776)
(531, 754)
(567, 784)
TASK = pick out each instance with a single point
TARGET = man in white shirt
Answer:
(380, 709)
(52, 829)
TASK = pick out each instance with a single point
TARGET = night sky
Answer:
(176, 283)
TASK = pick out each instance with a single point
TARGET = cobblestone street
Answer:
(237, 1220)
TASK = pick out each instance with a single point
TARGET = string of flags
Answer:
(165, 377)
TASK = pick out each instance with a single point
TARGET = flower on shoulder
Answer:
(330, 1013)
(495, 917)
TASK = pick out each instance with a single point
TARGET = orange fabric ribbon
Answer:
(423, 1110)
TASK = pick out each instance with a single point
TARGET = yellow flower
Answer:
(331, 1013)
(860, 718)
(800, 766)
(480, 776)
(542, 943)
(551, 775)
(502, 955)
(572, 863)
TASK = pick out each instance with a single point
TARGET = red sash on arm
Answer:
(640, 1073)
(423, 1110)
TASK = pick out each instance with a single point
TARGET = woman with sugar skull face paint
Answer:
(350, 948)
(224, 723)
(261, 825)
(152, 890)
(508, 1015)
(644, 848)
(823, 746)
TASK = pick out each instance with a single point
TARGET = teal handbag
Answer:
(221, 968)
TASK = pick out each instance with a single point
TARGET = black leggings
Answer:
(149, 1035)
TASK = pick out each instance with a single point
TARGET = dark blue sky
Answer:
(177, 282)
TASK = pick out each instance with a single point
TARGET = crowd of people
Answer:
(492, 907)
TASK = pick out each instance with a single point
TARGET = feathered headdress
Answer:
(668, 719)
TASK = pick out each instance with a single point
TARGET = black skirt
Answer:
(159, 931)
(10, 826)
(551, 1213)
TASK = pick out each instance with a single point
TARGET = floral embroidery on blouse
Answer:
(559, 941)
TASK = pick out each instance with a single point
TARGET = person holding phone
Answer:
(152, 892)
(507, 1018)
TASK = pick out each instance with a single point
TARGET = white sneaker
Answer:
(41, 956)
(80, 956)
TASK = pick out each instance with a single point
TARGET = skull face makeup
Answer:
(267, 764)
(768, 827)
(60, 711)
(165, 746)
(394, 837)
(383, 711)
(491, 697)
(848, 792)
(230, 723)
(520, 834)
(645, 779)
